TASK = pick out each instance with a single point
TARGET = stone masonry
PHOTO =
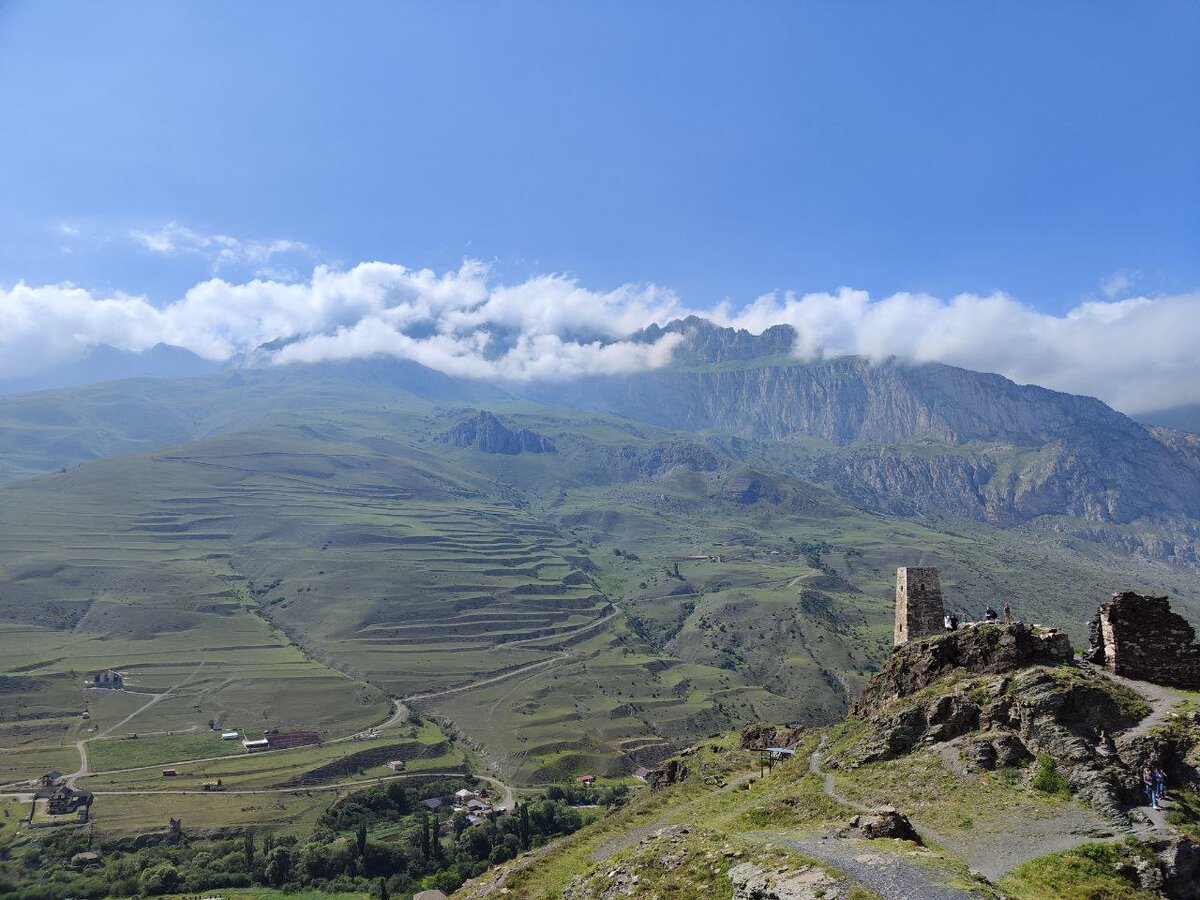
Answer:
(1139, 637)
(919, 611)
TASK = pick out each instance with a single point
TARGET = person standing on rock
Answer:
(990, 615)
(1160, 783)
(953, 622)
(1007, 613)
(1148, 784)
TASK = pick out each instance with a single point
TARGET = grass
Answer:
(1184, 812)
(696, 865)
(157, 749)
(1087, 872)
(801, 804)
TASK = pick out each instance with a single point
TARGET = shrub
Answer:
(161, 879)
(1048, 779)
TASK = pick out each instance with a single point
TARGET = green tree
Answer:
(160, 879)
(248, 850)
(383, 891)
(425, 836)
(360, 839)
(279, 866)
(523, 827)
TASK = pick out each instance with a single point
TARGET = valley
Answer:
(471, 581)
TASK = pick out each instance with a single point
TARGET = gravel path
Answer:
(887, 875)
(1161, 699)
(1000, 843)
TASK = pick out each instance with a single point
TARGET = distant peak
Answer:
(705, 341)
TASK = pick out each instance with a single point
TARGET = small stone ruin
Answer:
(1139, 637)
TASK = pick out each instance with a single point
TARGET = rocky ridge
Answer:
(913, 439)
(489, 434)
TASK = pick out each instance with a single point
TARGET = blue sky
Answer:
(721, 150)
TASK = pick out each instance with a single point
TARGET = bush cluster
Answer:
(416, 849)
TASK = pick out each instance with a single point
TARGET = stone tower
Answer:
(919, 610)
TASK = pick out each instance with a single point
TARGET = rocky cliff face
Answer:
(487, 433)
(911, 439)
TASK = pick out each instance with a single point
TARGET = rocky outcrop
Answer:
(751, 881)
(1003, 695)
(1139, 637)
(487, 433)
(884, 822)
(672, 772)
(759, 736)
(1178, 862)
(981, 649)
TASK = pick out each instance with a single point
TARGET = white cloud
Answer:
(1137, 353)
(1118, 283)
(222, 250)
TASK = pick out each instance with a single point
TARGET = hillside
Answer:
(1050, 812)
(562, 589)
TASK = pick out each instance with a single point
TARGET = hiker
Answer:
(1160, 783)
(990, 615)
(946, 624)
(1007, 613)
(1148, 784)
(953, 622)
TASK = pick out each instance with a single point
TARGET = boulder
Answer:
(753, 882)
(884, 822)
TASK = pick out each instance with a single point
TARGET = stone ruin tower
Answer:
(919, 611)
(1139, 637)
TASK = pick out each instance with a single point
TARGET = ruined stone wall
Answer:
(1139, 637)
(919, 611)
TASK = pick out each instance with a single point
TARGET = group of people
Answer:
(951, 621)
(1154, 780)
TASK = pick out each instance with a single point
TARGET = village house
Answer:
(108, 679)
(66, 800)
(586, 779)
(432, 803)
(463, 795)
(641, 773)
(397, 765)
(51, 779)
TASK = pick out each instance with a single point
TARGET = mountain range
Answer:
(668, 553)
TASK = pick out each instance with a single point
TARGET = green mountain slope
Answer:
(591, 608)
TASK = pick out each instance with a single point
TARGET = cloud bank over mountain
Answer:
(1137, 354)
